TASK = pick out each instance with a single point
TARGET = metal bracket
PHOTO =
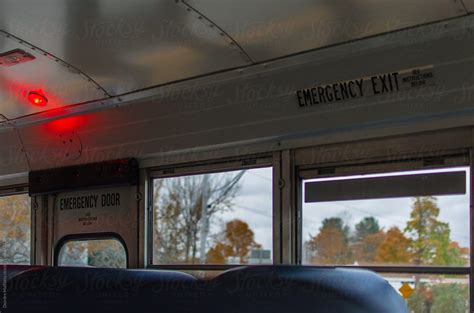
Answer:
(281, 183)
(138, 196)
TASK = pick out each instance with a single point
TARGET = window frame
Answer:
(200, 168)
(348, 169)
(407, 160)
(88, 237)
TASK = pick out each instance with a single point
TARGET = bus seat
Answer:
(75, 289)
(259, 289)
(302, 289)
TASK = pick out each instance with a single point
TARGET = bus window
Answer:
(109, 253)
(412, 227)
(217, 218)
(15, 226)
(418, 218)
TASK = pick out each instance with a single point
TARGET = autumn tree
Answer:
(183, 209)
(365, 250)
(367, 239)
(394, 249)
(430, 238)
(331, 244)
(15, 229)
(431, 245)
(236, 240)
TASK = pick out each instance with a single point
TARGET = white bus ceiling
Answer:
(149, 78)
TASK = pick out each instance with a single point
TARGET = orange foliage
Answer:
(394, 248)
(238, 241)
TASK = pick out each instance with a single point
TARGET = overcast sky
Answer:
(253, 205)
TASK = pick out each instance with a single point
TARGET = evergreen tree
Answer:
(368, 226)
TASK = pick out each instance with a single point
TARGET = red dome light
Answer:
(37, 99)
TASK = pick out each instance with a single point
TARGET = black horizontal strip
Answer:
(415, 269)
(379, 269)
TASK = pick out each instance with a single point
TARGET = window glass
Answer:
(218, 218)
(432, 293)
(108, 253)
(428, 230)
(15, 226)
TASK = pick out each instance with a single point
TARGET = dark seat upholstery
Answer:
(74, 289)
(302, 289)
(249, 289)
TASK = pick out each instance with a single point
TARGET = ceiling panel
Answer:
(60, 84)
(124, 45)
(268, 29)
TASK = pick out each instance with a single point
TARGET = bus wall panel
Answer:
(261, 106)
(12, 156)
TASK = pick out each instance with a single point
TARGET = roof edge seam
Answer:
(231, 41)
